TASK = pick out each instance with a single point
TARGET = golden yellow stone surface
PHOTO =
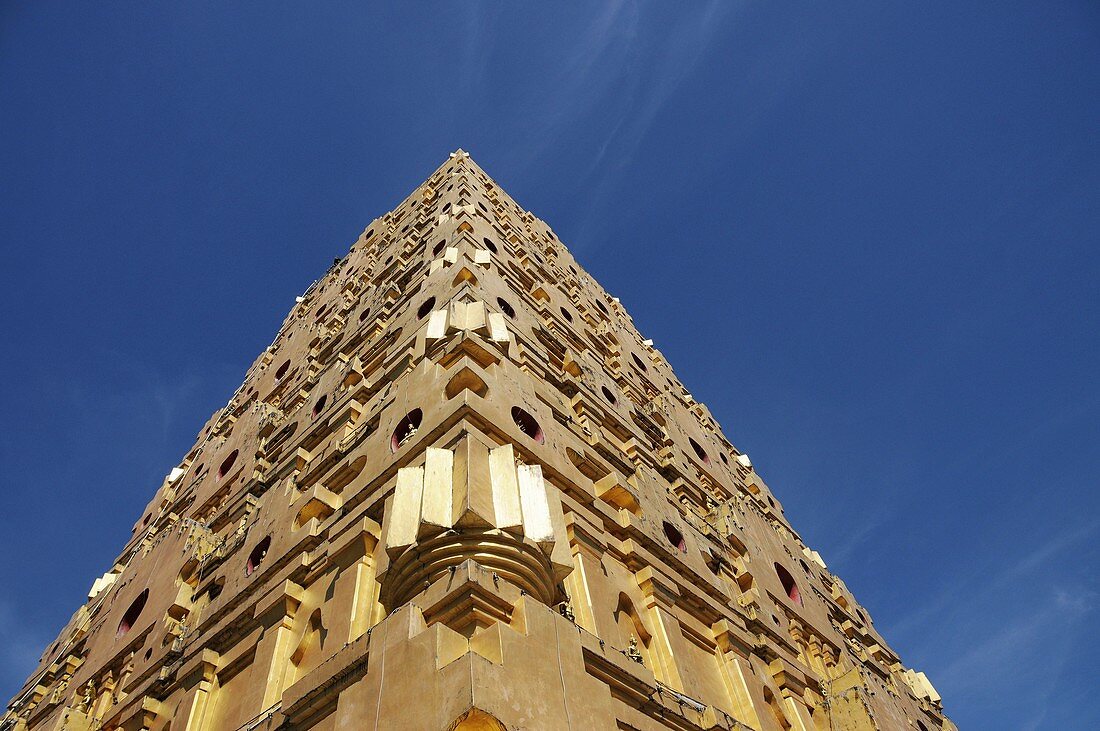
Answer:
(460, 491)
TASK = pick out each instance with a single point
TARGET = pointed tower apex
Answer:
(461, 464)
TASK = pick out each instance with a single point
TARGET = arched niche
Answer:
(476, 719)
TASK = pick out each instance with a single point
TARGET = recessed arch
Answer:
(631, 626)
(476, 720)
(406, 429)
(790, 586)
(463, 380)
(528, 424)
(699, 451)
(674, 536)
(130, 617)
(464, 276)
(588, 465)
(257, 556)
(737, 545)
(227, 464)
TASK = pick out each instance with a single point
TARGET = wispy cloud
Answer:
(1027, 656)
(857, 534)
(985, 580)
(1006, 629)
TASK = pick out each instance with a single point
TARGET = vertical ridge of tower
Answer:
(460, 490)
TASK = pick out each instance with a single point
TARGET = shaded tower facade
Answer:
(461, 491)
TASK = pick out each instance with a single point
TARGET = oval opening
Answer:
(638, 362)
(259, 553)
(789, 585)
(425, 308)
(320, 405)
(674, 536)
(490, 245)
(215, 589)
(607, 394)
(227, 464)
(699, 451)
(603, 307)
(528, 424)
(282, 370)
(505, 307)
(132, 613)
(364, 314)
(406, 429)
(439, 247)
(565, 314)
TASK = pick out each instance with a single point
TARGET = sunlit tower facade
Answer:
(461, 491)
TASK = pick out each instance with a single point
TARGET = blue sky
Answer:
(864, 233)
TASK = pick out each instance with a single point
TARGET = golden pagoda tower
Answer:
(461, 491)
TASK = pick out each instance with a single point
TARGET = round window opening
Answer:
(789, 585)
(425, 308)
(674, 536)
(439, 247)
(699, 451)
(227, 464)
(130, 618)
(565, 314)
(638, 362)
(406, 429)
(364, 314)
(528, 424)
(320, 405)
(259, 553)
(490, 245)
(608, 395)
(282, 370)
(505, 307)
